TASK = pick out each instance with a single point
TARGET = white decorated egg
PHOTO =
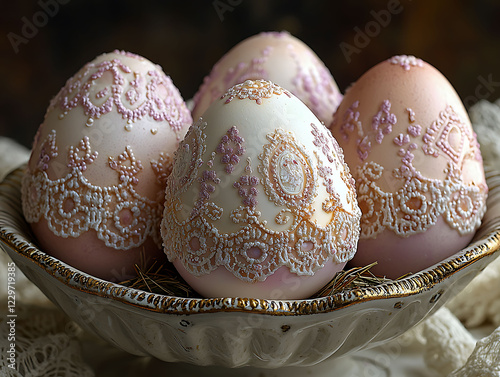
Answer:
(94, 187)
(260, 202)
(419, 174)
(280, 58)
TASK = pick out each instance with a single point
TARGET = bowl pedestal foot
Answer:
(349, 366)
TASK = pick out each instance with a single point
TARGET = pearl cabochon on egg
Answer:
(280, 58)
(419, 174)
(100, 160)
(259, 192)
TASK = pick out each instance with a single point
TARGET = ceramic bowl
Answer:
(235, 332)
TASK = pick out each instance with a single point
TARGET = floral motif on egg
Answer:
(188, 159)
(382, 123)
(314, 84)
(255, 249)
(419, 201)
(162, 167)
(112, 85)
(239, 73)
(72, 205)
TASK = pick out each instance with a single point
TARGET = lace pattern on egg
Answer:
(71, 205)
(237, 74)
(290, 177)
(255, 90)
(417, 205)
(103, 87)
(315, 86)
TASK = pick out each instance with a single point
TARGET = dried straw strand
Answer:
(164, 279)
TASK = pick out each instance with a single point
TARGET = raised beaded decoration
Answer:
(255, 90)
(312, 82)
(382, 124)
(133, 100)
(70, 203)
(241, 72)
(315, 85)
(290, 176)
(406, 61)
(420, 200)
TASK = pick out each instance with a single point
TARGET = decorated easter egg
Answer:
(280, 58)
(419, 174)
(260, 202)
(94, 187)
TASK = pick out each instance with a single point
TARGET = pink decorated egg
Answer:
(280, 58)
(94, 187)
(419, 174)
(260, 202)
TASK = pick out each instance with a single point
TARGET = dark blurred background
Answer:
(45, 42)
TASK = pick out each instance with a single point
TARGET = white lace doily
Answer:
(485, 360)
(46, 342)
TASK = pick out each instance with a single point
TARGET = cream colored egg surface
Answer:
(94, 188)
(280, 58)
(419, 174)
(260, 202)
